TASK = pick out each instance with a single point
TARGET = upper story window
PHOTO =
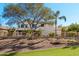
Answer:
(22, 25)
(26, 26)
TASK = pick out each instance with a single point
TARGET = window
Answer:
(22, 25)
(25, 26)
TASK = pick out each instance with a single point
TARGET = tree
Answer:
(64, 29)
(30, 13)
(14, 14)
(57, 17)
(73, 27)
(22, 12)
(36, 12)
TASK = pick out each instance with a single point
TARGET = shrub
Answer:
(71, 34)
(28, 31)
(71, 41)
(51, 34)
(10, 32)
(33, 33)
(37, 33)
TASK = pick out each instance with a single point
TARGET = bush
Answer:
(10, 32)
(71, 34)
(28, 31)
(71, 41)
(51, 34)
(38, 33)
(33, 33)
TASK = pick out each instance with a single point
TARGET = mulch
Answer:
(7, 45)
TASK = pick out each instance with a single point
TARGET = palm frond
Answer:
(62, 17)
(57, 13)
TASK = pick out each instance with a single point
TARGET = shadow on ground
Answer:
(9, 54)
(71, 47)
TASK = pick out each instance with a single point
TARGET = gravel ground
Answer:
(8, 45)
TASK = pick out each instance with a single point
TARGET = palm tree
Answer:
(57, 17)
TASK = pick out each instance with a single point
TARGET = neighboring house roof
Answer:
(3, 28)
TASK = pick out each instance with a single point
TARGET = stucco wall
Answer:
(49, 29)
(3, 32)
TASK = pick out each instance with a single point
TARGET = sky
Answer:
(71, 11)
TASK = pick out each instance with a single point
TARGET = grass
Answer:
(66, 51)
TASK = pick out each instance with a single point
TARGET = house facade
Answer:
(46, 29)
(3, 31)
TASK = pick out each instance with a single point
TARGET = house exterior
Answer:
(46, 29)
(3, 31)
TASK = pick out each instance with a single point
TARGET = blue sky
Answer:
(71, 11)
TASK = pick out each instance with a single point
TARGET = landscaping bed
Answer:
(10, 45)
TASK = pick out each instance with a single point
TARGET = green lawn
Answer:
(67, 51)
